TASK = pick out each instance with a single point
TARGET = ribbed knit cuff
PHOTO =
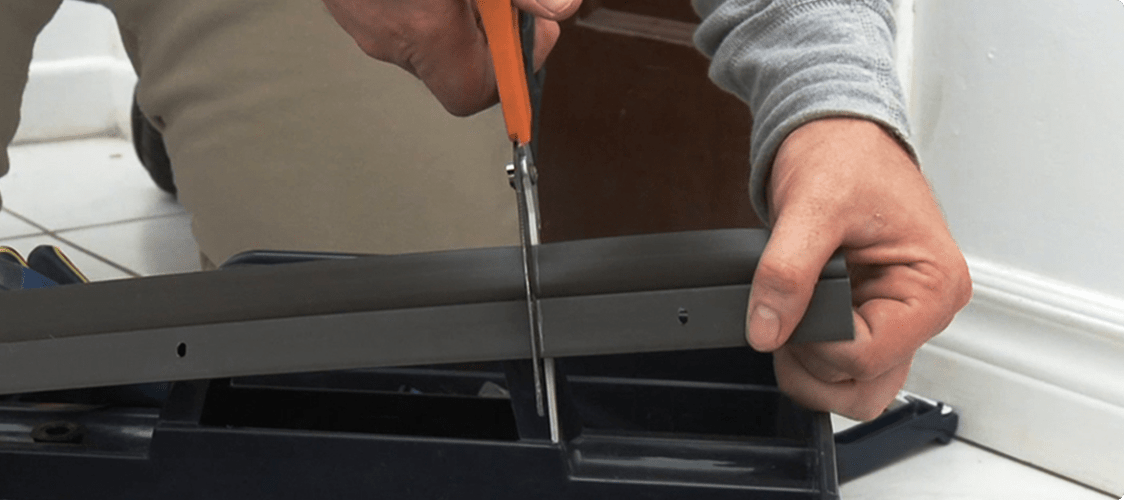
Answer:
(796, 61)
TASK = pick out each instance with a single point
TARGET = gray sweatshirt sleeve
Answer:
(794, 61)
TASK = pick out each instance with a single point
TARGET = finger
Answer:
(798, 248)
(898, 309)
(856, 399)
(546, 36)
(354, 18)
(555, 10)
(934, 289)
(456, 65)
(827, 362)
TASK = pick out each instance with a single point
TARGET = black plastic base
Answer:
(703, 424)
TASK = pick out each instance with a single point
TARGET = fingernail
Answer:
(764, 328)
(556, 6)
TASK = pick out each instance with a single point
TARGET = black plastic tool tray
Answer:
(675, 424)
(694, 424)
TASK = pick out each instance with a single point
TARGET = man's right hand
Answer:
(441, 42)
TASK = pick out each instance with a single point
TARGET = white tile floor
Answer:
(961, 471)
(94, 200)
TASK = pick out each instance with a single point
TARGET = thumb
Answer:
(546, 36)
(786, 275)
(555, 10)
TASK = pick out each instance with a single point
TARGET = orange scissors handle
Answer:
(501, 26)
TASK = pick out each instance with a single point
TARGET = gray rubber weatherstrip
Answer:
(626, 294)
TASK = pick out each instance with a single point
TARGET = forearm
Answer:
(794, 61)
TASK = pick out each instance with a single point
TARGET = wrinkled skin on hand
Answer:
(846, 183)
(441, 42)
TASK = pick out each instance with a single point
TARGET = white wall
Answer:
(1018, 115)
(80, 82)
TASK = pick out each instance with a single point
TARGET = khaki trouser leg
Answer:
(284, 135)
(20, 23)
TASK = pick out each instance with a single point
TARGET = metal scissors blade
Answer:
(527, 202)
(501, 26)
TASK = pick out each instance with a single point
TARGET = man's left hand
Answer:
(847, 184)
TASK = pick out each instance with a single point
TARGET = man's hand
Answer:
(846, 183)
(441, 42)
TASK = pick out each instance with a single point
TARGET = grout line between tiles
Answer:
(78, 247)
(122, 221)
(34, 227)
(114, 133)
(23, 235)
(28, 221)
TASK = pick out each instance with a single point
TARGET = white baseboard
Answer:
(1036, 370)
(89, 96)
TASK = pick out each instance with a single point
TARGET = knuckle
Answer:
(385, 50)
(458, 111)
(568, 11)
(863, 411)
(871, 398)
(462, 108)
(786, 385)
(864, 404)
(865, 367)
(818, 363)
(371, 47)
(781, 277)
(955, 290)
(799, 394)
(964, 287)
(958, 279)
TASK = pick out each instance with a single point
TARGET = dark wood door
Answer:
(634, 137)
